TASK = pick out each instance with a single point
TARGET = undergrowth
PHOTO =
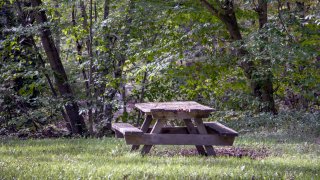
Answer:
(299, 124)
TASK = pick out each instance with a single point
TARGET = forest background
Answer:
(80, 65)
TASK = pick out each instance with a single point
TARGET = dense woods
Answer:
(82, 64)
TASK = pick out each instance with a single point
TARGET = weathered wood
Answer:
(193, 130)
(118, 134)
(212, 134)
(178, 139)
(173, 130)
(144, 128)
(116, 128)
(146, 123)
(156, 129)
(126, 129)
(187, 106)
(202, 130)
(184, 130)
(179, 114)
(220, 129)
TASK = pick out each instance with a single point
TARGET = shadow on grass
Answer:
(239, 152)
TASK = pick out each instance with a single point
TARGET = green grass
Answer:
(110, 158)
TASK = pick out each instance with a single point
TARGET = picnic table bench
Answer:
(195, 132)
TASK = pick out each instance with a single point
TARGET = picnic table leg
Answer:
(144, 128)
(193, 130)
(155, 130)
(202, 130)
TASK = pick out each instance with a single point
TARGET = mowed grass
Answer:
(109, 158)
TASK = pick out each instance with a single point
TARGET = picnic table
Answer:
(195, 132)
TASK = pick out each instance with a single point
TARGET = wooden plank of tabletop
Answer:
(187, 106)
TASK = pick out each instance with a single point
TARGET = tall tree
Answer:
(76, 121)
(26, 21)
(260, 83)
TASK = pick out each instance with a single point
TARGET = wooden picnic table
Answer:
(195, 132)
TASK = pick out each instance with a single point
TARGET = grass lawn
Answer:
(106, 158)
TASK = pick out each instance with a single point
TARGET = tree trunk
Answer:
(118, 65)
(58, 31)
(108, 107)
(31, 42)
(72, 109)
(265, 90)
(262, 11)
(89, 46)
(106, 9)
(79, 49)
(90, 53)
(144, 80)
(260, 83)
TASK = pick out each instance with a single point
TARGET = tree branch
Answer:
(210, 7)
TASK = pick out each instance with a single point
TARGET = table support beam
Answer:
(144, 128)
(193, 130)
(202, 130)
(156, 129)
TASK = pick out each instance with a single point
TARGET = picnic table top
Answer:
(175, 106)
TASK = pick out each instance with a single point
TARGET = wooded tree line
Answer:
(76, 60)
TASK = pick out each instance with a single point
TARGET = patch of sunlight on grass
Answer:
(110, 158)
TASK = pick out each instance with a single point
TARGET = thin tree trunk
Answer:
(145, 75)
(79, 50)
(89, 46)
(72, 109)
(57, 33)
(106, 9)
(108, 107)
(97, 89)
(95, 12)
(90, 53)
(121, 61)
(262, 11)
(124, 100)
(266, 91)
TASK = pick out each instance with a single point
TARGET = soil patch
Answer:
(258, 153)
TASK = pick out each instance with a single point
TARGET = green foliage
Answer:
(170, 50)
(23, 101)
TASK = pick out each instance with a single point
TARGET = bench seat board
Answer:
(117, 126)
(125, 129)
(179, 139)
(211, 127)
(220, 129)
